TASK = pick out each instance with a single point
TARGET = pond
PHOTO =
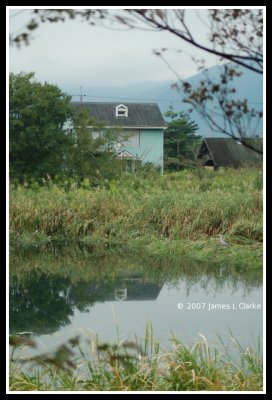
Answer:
(58, 293)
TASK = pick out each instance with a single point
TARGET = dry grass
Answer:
(178, 208)
(128, 366)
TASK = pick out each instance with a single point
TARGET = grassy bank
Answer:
(130, 366)
(172, 215)
(84, 263)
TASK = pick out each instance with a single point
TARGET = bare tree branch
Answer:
(187, 37)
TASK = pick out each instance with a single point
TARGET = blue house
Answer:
(142, 125)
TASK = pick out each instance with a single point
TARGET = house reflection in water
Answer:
(120, 294)
(136, 289)
(124, 289)
(42, 304)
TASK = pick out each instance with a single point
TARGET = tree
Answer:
(47, 136)
(235, 36)
(180, 141)
(37, 116)
(92, 153)
(36, 304)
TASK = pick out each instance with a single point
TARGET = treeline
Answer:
(48, 138)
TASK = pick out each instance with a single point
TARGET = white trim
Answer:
(123, 109)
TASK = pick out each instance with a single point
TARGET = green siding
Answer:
(151, 146)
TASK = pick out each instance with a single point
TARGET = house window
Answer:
(121, 111)
(131, 138)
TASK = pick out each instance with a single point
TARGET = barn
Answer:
(228, 152)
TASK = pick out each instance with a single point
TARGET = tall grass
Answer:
(135, 366)
(179, 209)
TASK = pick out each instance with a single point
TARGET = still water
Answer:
(57, 294)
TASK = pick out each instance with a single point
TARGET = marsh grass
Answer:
(134, 365)
(172, 214)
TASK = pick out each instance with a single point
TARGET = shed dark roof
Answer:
(139, 114)
(229, 152)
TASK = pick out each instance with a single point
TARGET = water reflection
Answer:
(50, 289)
(42, 303)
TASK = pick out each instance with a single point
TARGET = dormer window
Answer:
(121, 111)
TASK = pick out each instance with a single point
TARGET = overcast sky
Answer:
(75, 53)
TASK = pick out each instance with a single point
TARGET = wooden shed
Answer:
(228, 152)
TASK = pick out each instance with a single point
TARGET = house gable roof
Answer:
(139, 114)
(228, 152)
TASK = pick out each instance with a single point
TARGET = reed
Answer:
(174, 213)
(138, 366)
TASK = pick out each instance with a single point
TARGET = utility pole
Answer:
(81, 95)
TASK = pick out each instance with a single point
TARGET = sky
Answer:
(75, 53)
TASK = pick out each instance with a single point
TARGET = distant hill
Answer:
(248, 86)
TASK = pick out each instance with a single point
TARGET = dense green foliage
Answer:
(37, 116)
(179, 213)
(180, 141)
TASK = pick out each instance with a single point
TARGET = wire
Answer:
(139, 98)
(127, 98)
